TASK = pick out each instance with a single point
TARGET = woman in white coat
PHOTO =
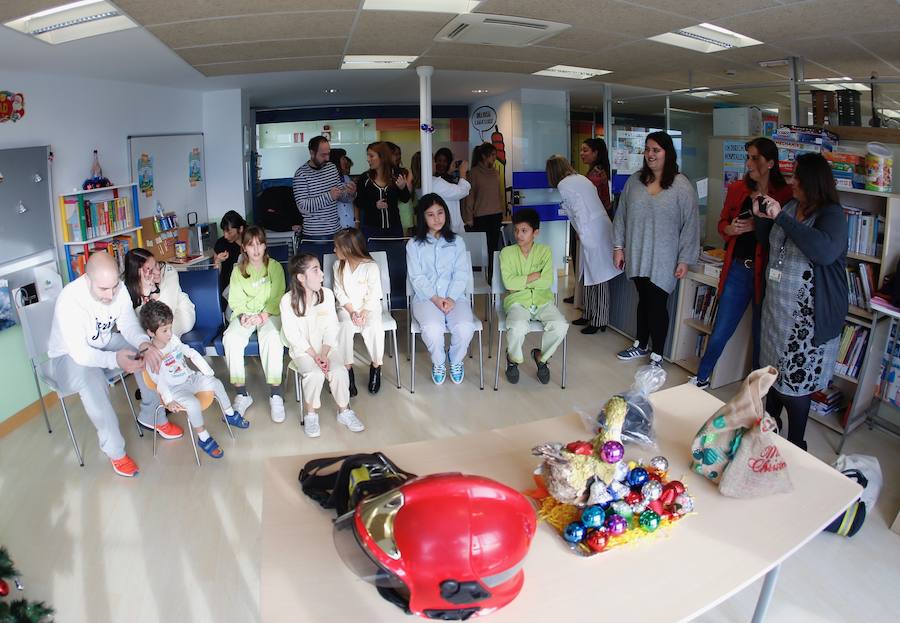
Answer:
(452, 192)
(148, 280)
(582, 205)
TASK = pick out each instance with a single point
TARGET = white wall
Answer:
(223, 121)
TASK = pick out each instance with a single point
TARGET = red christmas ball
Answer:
(597, 540)
(676, 485)
(633, 497)
(668, 496)
(656, 506)
(4, 588)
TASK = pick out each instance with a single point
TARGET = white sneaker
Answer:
(348, 418)
(311, 425)
(276, 404)
(241, 403)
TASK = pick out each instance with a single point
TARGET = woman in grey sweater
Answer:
(656, 234)
(806, 290)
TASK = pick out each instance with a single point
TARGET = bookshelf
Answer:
(859, 383)
(102, 219)
(692, 330)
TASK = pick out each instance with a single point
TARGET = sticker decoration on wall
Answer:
(145, 174)
(484, 119)
(195, 175)
(7, 319)
(12, 106)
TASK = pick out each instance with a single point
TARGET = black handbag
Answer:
(851, 520)
(342, 482)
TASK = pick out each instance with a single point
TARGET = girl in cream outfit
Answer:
(310, 329)
(357, 287)
(148, 280)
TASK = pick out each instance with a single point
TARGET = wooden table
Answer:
(703, 559)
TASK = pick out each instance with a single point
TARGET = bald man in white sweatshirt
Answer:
(83, 347)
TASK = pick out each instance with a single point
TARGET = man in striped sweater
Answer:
(317, 189)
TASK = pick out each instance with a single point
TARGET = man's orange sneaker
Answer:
(125, 467)
(167, 430)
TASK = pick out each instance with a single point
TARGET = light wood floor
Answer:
(182, 544)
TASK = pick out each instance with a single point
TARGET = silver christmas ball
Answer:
(659, 463)
(652, 489)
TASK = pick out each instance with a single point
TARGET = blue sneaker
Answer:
(457, 372)
(438, 373)
(237, 420)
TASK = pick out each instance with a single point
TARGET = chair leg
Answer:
(37, 385)
(131, 406)
(227, 425)
(155, 428)
(193, 443)
(499, 349)
(409, 333)
(300, 397)
(396, 359)
(62, 402)
(297, 385)
(412, 364)
(480, 361)
(488, 309)
(565, 360)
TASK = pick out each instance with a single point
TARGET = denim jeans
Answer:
(737, 293)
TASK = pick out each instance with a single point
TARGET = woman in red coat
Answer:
(742, 278)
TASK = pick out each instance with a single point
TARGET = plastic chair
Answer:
(476, 245)
(395, 249)
(280, 252)
(37, 320)
(387, 320)
(206, 398)
(414, 329)
(497, 293)
(319, 248)
(202, 287)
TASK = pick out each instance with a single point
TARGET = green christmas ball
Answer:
(649, 520)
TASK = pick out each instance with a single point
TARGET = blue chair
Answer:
(279, 252)
(202, 287)
(319, 248)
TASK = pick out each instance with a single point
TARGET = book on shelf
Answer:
(86, 219)
(851, 349)
(700, 346)
(860, 283)
(827, 401)
(865, 232)
(890, 367)
(705, 304)
(116, 247)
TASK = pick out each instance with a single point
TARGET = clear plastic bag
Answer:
(638, 427)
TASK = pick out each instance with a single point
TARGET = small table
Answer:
(194, 262)
(738, 541)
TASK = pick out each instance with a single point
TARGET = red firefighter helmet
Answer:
(447, 546)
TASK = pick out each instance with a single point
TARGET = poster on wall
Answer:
(734, 161)
(12, 106)
(195, 175)
(6, 312)
(484, 119)
(145, 174)
(628, 153)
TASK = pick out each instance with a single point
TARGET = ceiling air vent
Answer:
(483, 29)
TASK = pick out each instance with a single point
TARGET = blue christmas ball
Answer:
(637, 477)
(593, 516)
(574, 532)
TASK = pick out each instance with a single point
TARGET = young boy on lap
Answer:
(527, 271)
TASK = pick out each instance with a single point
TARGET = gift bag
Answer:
(741, 431)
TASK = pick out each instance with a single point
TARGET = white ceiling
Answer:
(294, 67)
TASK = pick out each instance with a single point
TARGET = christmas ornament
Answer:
(616, 524)
(684, 504)
(580, 447)
(612, 451)
(619, 490)
(621, 508)
(637, 477)
(597, 540)
(4, 588)
(574, 532)
(649, 521)
(633, 498)
(676, 486)
(427, 128)
(659, 463)
(593, 517)
(651, 490)
(657, 507)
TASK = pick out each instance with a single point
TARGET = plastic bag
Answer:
(638, 427)
(870, 468)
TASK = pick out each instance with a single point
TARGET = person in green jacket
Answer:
(254, 292)
(527, 272)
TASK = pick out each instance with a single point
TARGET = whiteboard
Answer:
(170, 169)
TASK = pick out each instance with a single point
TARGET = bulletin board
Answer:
(169, 169)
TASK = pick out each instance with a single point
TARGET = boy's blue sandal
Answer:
(237, 420)
(211, 448)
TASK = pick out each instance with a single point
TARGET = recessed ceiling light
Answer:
(479, 90)
(568, 71)
(77, 20)
(376, 62)
(888, 112)
(331, 91)
(836, 84)
(705, 38)
(422, 6)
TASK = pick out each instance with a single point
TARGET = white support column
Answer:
(425, 74)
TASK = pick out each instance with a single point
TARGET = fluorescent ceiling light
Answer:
(836, 84)
(705, 38)
(894, 114)
(377, 62)
(479, 90)
(703, 92)
(69, 22)
(422, 6)
(568, 71)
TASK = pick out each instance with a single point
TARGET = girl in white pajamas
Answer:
(257, 283)
(310, 329)
(357, 288)
(438, 270)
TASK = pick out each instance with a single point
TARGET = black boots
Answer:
(374, 379)
(353, 391)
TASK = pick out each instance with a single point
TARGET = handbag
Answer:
(851, 520)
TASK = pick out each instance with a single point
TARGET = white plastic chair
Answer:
(476, 245)
(414, 329)
(498, 291)
(37, 320)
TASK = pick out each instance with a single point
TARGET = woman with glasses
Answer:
(148, 280)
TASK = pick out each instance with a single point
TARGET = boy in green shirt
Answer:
(527, 271)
